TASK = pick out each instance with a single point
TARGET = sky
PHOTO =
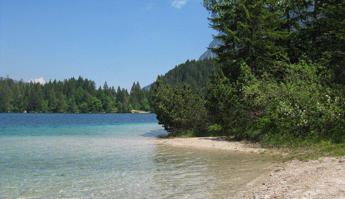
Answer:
(117, 41)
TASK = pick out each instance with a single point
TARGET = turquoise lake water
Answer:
(111, 156)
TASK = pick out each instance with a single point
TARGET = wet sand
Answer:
(323, 178)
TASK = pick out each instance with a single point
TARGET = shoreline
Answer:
(322, 178)
(212, 143)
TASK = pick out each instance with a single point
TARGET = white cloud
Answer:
(178, 3)
(39, 80)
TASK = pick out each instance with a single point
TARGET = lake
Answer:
(111, 156)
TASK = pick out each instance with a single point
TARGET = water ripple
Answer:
(118, 166)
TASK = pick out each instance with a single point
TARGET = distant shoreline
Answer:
(143, 112)
(139, 112)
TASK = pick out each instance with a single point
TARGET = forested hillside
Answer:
(282, 75)
(193, 73)
(69, 96)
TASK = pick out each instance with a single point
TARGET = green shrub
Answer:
(178, 109)
(297, 107)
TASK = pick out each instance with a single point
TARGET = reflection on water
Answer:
(122, 161)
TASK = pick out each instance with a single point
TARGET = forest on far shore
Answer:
(70, 96)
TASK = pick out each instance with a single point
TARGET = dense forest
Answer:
(193, 73)
(81, 96)
(281, 77)
(69, 96)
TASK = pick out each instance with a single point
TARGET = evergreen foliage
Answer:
(178, 109)
(282, 74)
(192, 73)
(69, 96)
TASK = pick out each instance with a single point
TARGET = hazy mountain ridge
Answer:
(209, 54)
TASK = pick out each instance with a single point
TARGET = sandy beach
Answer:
(213, 143)
(317, 179)
(323, 178)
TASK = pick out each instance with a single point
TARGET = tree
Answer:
(122, 98)
(178, 109)
(192, 73)
(5, 99)
(108, 105)
(136, 96)
(71, 95)
(72, 106)
(61, 106)
(327, 33)
(35, 97)
(96, 105)
(250, 32)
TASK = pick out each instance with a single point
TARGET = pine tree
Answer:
(5, 99)
(250, 31)
(136, 96)
(327, 33)
(71, 95)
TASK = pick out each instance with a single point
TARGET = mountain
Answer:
(147, 88)
(194, 73)
(209, 54)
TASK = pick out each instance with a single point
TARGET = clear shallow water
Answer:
(111, 156)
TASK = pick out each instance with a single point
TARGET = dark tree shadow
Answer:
(156, 133)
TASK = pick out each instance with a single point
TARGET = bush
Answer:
(295, 108)
(179, 109)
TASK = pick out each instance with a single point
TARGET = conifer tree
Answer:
(250, 31)
(71, 95)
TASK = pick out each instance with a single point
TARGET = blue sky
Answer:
(118, 41)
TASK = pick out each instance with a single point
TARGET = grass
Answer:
(311, 151)
(300, 149)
